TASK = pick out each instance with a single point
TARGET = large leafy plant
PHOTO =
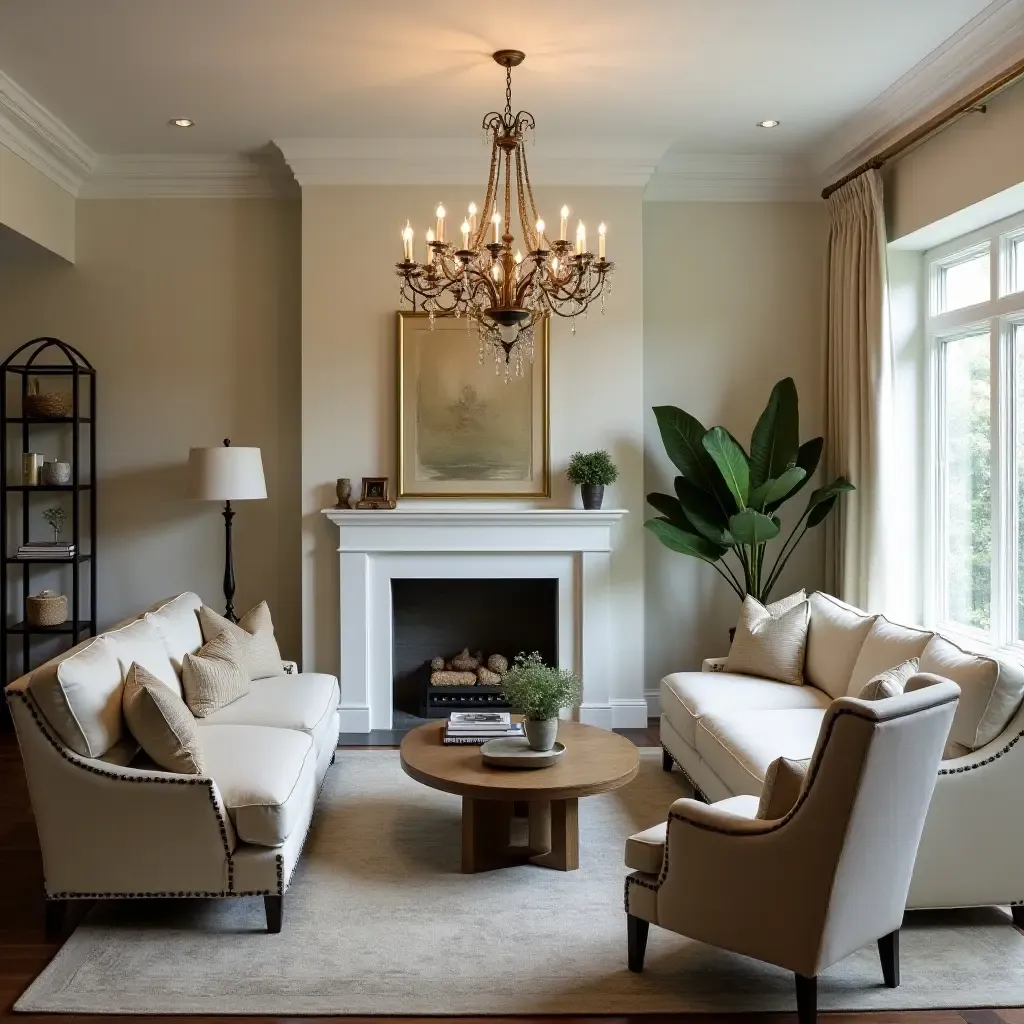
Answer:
(727, 500)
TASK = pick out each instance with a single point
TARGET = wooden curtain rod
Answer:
(972, 101)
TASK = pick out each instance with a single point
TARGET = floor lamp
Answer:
(226, 474)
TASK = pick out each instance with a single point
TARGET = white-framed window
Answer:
(975, 416)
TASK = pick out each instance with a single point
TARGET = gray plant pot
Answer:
(541, 733)
(592, 494)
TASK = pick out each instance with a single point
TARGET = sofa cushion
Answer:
(834, 638)
(266, 777)
(782, 784)
(81, 698)
(887, 645)
(739, 746)
(177, 622)
(645, 851)
(160, 721)
(891, 682)
(254, 632)
(140, 643)
(990, 690)
(304, 702)
(688, 696)
(770, 640)
(214, 676)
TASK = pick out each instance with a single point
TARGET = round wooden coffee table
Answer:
(595, 761)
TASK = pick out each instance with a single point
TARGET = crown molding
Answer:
(188, 176)
(43, 141)
(730, 178)
(987, 44)
(463, 161)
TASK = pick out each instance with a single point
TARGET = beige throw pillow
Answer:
(214, 676)
(770, 640)
(782, 785)
(891, 682)
(160, 721)
(255, 635)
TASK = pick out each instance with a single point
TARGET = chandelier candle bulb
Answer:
(407, 242)
(472, 217)
(440, 222)
(430, 248)
(601, 232)
(519, 257)
(564, 226)
(496, 221)
(540, 234)
(465, 234)
(581, 239)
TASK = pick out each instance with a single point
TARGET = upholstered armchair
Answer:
(821, 878)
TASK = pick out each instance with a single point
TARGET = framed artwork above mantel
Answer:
(464, 430)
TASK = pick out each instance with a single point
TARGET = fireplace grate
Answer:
(442, 700)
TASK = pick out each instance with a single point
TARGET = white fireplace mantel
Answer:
(572, 546)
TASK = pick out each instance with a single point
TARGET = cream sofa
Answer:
(723, 730)
(112, 825)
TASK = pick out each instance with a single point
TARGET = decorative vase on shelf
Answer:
(592, 495)
(56, 473)
(541, 733)
(592, 472)
(343, 489)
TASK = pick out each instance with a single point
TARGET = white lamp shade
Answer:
(226, 473)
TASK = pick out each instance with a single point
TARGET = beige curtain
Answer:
(858, 370)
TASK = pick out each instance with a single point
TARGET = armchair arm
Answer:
(717, 818)
(107, 830)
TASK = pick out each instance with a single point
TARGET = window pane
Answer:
(1018, 348)
(1017, 265)
(965, 283)
(967, 504)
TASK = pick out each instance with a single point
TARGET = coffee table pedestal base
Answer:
(552, 828)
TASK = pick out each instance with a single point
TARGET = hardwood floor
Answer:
(24, 951)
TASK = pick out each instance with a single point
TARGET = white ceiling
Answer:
(643, 75)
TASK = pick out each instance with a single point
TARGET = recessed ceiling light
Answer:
(770, 123)
(182, 122)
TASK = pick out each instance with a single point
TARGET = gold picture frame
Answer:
(463, 432)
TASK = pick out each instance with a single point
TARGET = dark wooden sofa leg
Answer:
(889, 954)
(1018, 914)
(54, 921)
(274, 906)
(667, 760)
(636, 930)
(806, 1000)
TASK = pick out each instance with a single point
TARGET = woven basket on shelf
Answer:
(50, 406)
(47, 609)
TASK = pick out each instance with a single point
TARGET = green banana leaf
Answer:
(823, 500)
(752, 528)
(685, 543)
(777, 489)
(731, 461)
(670, 508)
(776, 437)
(703, 511)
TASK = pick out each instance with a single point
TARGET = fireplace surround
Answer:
(569, 546)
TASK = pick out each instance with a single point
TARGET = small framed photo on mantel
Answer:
(375, 493)
(464, 430)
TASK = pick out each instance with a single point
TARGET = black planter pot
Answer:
(592, 494)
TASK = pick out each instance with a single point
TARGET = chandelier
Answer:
(486, 279)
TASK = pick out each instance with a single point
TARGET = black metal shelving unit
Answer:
(24, 363)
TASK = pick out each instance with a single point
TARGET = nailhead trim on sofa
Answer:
(981, 764)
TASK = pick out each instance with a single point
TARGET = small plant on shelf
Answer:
(539, 692)
(56, 517)
(592, 472)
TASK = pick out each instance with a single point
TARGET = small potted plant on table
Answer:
(592, 472)
(539, 692)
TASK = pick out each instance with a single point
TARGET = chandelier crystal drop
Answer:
(482, 275)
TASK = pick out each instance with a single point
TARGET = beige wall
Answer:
(189, 310)
(979, 156)
(350, 236)
(35, 207)
(733, 302)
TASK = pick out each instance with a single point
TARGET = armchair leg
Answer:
(1018, 914)
(636, 931)
(806, 1000)
(274, 906)
(54, 920)
(889, 954)
(667, 760)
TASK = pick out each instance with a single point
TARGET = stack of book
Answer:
(479, 726)
(56, 550)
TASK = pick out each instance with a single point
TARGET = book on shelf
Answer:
(458, 738)
(479, 720)
(45, 549)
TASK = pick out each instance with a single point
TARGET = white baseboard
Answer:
(629, 713)
(653, 698)
(597, 714)
(354, 718)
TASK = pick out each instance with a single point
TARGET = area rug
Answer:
(380, 921)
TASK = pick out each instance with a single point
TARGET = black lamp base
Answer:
(229, 566)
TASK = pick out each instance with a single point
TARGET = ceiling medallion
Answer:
(485, 278)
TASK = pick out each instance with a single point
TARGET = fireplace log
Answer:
(498, 664)
(465, 662)
(487, 678)
(453, 679)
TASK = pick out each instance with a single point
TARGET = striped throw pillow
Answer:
(770, 641)
(254, 632)
(214, 676)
